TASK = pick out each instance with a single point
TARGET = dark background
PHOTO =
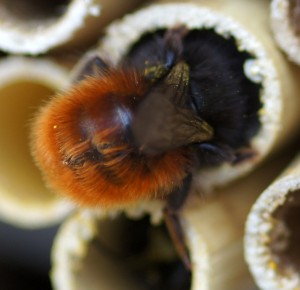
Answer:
(25, 257)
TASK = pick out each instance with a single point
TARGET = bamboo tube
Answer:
(273, 235)
(268, 67)
(34, 27)
(25, 83)
(213, 226)
(285, 17)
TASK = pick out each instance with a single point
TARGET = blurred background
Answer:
(25, 257)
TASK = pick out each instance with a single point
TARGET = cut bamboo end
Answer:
(86, 251)
(267, 67)
(285, 17)
(273, 235)
(34, 27)
(25, 84)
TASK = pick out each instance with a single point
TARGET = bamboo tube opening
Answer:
(272, 235)
(285, 236)
(26, 84)
(116, 253)
(210, 75)
(19, 174)
(35, 27)
(32, 10)
(141, 255)
(265, 67)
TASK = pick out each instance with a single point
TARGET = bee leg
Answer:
(172, 220)
(242, 155)
(91, 65)
(175, 230)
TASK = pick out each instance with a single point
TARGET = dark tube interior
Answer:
(285, 243)
(145, 253)
(220, 92)
(32, 10)
(294, 14)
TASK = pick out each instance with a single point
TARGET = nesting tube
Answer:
(265, 66)
(98, 250)
(273, 234)
(77, 261)
(25, 84)
(34, 27)
(285, 21)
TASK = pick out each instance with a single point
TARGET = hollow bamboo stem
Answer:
(25, 84)
(273, 235)
(34, 27)
(234, 18)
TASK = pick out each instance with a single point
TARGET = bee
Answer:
(178, 102)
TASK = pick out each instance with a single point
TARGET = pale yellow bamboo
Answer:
(34, 27)
(273, 233)
(286, 27)
(213, 226)
(25, 84)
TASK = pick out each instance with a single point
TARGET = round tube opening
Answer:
(285, 236)
(29, 12)
(20, 180)
(132, 254)
(220, 90)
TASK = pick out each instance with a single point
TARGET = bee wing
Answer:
(163, 121)
(91, 65)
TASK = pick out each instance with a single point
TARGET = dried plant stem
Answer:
(25, 83)
(273, 233)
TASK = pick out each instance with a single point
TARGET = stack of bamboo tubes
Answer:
(242, 233)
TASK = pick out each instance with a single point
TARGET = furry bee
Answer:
(177, 103)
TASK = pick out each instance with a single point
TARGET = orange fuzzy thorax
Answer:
(71, 130)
